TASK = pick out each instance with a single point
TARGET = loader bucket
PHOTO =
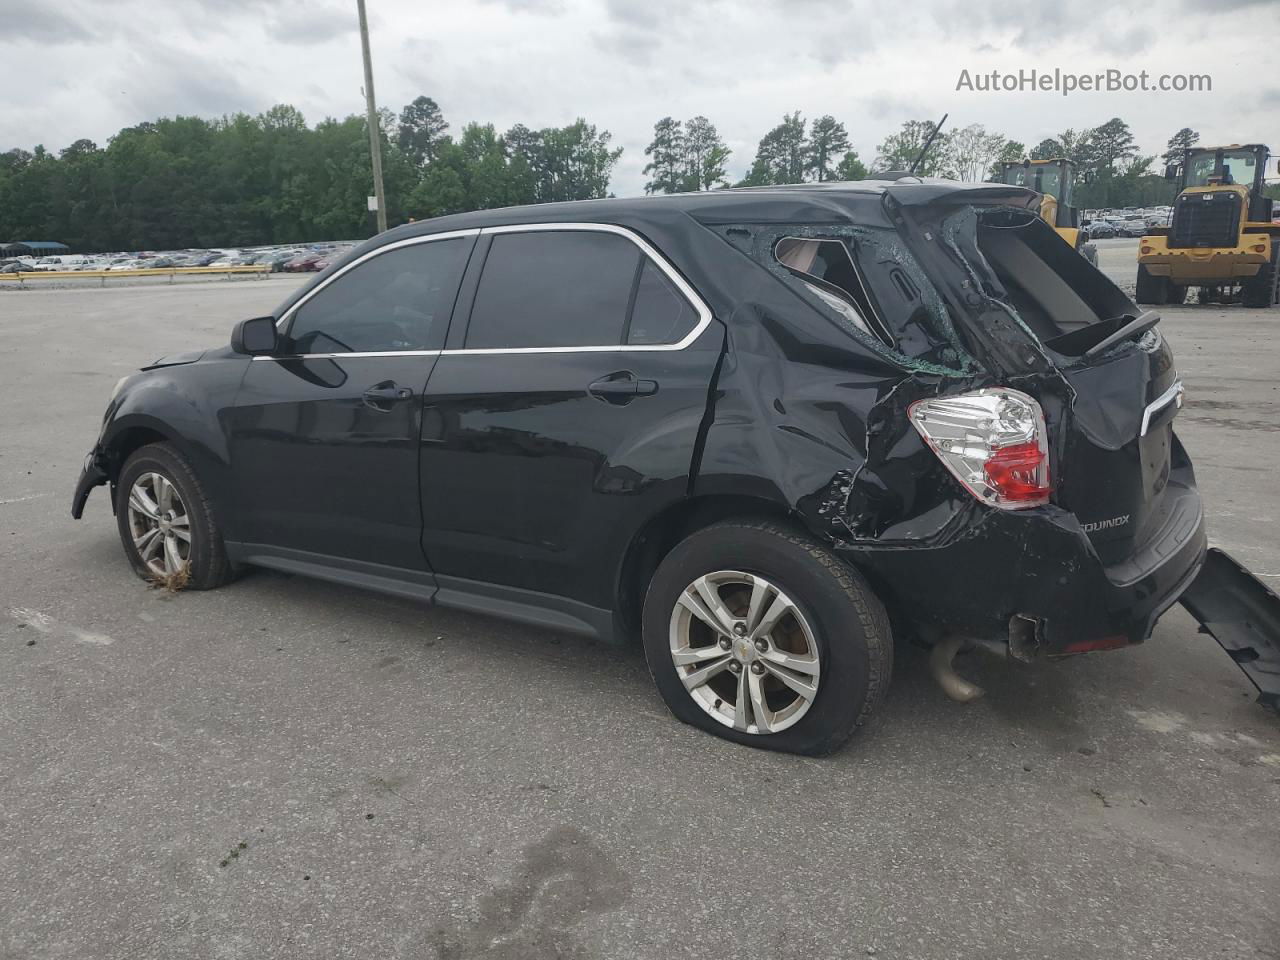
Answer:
(1243, 615)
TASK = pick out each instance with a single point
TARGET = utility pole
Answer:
(375, 142)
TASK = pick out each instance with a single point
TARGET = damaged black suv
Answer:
(765, 430)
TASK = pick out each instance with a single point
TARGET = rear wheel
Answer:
(761, 635)
(1263, 288)
(166, 523)
(1151, 289)
(1177, 293)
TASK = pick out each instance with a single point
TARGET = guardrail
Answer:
(170, 272)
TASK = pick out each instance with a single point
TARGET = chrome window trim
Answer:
(1173, 395)
(646, 250)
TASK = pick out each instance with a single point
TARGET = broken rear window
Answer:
(868, 282)
(1021, 263)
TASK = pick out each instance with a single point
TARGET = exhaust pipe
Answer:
(953, 685)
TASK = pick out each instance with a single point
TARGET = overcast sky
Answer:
(85, 68)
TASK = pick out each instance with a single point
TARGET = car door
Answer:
(324, 435)
(564, 414)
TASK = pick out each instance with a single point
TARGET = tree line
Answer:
(1110, 170)
(243, 180)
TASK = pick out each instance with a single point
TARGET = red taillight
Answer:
(993, 441)
(1019, 472)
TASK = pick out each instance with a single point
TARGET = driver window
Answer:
(398, 300)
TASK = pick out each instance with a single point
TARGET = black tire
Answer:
(1263, 288)
(207, 563)
(849, 624)
(1151, 290)
(1177, 293)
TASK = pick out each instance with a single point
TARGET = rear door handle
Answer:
(622, 388)
(384, 393)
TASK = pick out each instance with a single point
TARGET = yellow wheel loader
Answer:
(1054, 180)
(1220, 238)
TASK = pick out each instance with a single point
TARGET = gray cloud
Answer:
(43, 26)
(548, 8)
(304, 26)
(623, 64)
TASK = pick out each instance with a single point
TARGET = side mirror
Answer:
(1172, 171)
(256, 337)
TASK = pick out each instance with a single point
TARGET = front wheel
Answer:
(760, 635)
(166, 523)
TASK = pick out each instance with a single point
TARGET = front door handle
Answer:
(380, 395)
(622, 388)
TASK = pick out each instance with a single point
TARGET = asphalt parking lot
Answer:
(288, 768)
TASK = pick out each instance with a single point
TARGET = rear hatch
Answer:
(1041, 318)
(972, 287)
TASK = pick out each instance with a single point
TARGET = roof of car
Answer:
(853, 201)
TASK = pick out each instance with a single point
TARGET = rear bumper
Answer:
(1192, 265)
(1039, 565)
(92, 474)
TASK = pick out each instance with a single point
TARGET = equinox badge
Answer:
(1105, 524)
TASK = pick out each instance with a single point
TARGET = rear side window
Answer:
(574, 288)
(554, 289)
(398, 300)
(660, 313)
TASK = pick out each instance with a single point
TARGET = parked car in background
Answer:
(1131, 228)
(306, 263)
(649, 418)
(1100, 230)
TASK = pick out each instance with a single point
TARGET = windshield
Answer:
(1238, 166)
(1041, 179)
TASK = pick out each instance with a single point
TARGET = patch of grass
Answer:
(172, 582)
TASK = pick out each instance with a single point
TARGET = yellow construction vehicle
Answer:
(1220, 237)
(1054, 180)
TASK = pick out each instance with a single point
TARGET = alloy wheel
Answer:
(744, 651)
(159, 524)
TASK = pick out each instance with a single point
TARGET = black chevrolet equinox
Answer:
(763, 430)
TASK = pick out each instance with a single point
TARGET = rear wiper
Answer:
(1139, 324)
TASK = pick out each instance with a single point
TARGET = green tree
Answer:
(1011, 152)
(1111, 143)
(828, 140)
(1047, 149)
(705, 154)
(900, 150)
(782, 155)
(421, 130)
(666, 167)
(851, 168)
(1184, 139)
(971, 151)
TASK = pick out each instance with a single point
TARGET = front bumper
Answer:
(93, 474)
(1040, 566)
